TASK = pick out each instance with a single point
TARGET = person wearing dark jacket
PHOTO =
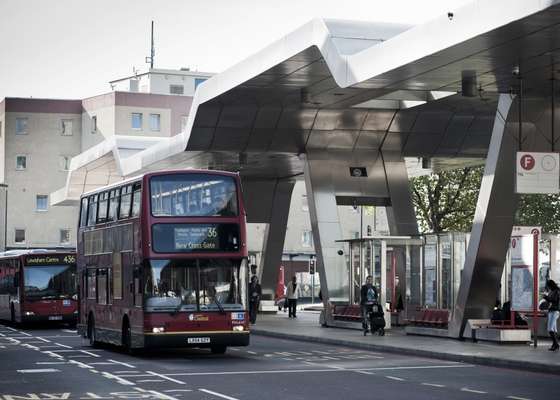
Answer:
(368, 296)
(255, 293)
(553, 297)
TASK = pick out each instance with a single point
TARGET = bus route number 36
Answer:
(212, 233)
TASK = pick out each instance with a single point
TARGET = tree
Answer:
(446, 201)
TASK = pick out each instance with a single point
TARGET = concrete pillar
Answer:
(275, 234)
(491, 231)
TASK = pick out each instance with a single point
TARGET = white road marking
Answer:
(235, 349)
(90, 353)
(43, 340)
(162, 395)
(291, 371)
(135, 375)
(63, 345)
(365, 372)
(518, 398)
(177, 390)
(433, 384)
(472, 391)
(122, 363)
(149, 380)
(395, 378)
(69, 331)
(37, 371)
(166, 377)
(81, 364)
(101, 363)
(50, 362)
(80, 356)
(51, 354)
(252, 352)
(124, 372)
(117, 378)
(223, 396)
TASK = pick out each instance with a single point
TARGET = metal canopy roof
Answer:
(309, 91)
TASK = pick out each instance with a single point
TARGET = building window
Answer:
(198, 81)
(136, 120)
(306, 239)
(67, 127)
(19, 236)
(42, 202)
(21, 163)
(65, 236)
(21, 126)
(64, 163)
(94, 124)
(184, 120)
(154, 122)
(176, 89)
(304, 204)
(134, 85)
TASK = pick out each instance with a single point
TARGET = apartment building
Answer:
(39, 138)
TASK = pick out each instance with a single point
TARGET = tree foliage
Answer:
(446, 202)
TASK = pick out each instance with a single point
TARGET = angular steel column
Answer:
(401, 216)
(273, 244)
(325, 224)
(491, 229)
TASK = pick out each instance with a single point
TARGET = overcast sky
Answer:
(73, 48)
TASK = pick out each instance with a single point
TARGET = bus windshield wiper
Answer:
(219, 305)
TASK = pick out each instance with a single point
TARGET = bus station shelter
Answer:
(342, 105)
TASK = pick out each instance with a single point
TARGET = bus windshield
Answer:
(195, 285)
(44, 282)
(193, 195)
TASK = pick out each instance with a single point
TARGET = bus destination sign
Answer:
(196, 237)
(53, 259)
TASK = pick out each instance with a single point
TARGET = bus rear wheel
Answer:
(218, 349)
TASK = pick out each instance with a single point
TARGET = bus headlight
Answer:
(29, 313)
(158, 329)
(238, 328)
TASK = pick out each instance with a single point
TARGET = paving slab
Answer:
(307, 328)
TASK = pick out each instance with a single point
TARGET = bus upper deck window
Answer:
(114, 204)
(126, 200)
(92, 210)
(83, 212)
(136, 200)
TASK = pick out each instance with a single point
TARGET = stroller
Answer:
(375, 319)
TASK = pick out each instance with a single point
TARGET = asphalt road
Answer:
(55, 363)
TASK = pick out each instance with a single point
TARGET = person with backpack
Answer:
(552, 296)
(292, 294)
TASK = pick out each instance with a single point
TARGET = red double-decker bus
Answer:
(38, 285)
(162, 260)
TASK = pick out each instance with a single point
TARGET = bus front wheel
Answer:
(218, 349)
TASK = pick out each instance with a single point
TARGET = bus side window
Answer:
(137, 286)
(114, 204)
(83, 212)
(125, 203)
(137, 190)
(102, 207)
(92, 210)
(91, 282)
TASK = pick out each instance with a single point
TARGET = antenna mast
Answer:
(150, 59)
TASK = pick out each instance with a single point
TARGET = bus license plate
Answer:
(198, 340)
(55, 318)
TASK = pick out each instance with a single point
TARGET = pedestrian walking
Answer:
(255, 293)
(552, 296)
(292, 294)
